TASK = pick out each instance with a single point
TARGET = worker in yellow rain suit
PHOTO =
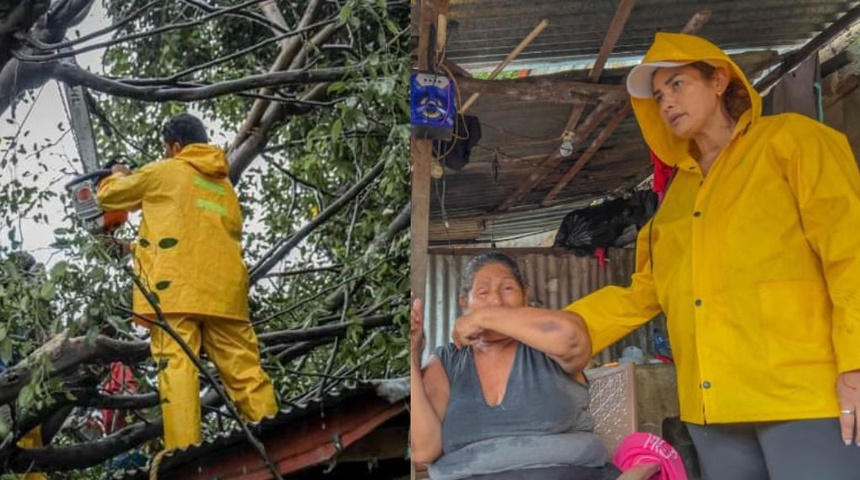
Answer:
(188, 255)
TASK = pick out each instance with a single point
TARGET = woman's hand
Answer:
(416, 332)
(466, 331)
(848, 391)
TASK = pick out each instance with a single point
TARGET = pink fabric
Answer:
(121, 381)
(645, 448)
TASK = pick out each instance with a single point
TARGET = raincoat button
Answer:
(706, 384)
(698, 302)
(697, 213)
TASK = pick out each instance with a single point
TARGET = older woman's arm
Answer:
(560, 334)
(429, 391)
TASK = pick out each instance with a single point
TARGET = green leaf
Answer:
(337, 86)
(336, 130)
(48, 291)
(91, 337)
(167, 242)
(162, 285)
(59, 270)
(26, 396)
(143, 242)
(6, 351)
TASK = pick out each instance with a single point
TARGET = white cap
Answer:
(639, 80)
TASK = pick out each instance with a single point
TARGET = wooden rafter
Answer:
(622, 13)
(693, 25)
(588, 125)
(811, 47)
(586, 156)
(697, 21)
(545, 90)
(510, 58)
(843, 89)
(455, 69)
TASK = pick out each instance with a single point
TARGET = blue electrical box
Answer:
(433, 106)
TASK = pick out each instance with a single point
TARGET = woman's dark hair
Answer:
(478, 262)
(736, 97)
(184, 129)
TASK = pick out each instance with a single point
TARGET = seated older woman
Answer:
(507, 399)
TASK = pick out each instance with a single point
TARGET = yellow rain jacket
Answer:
(188, 252)
(756, 266)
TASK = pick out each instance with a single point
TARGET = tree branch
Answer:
(296, 179)
(35, 42)
(247, 15)
(125, 402)
(283, 247)
(84, 455)
(242, 157)
(288, 52)
(249, 146)
(226, 58)
(326, 331)
(400, 223)
(134, 36)
(67, 354)
(75, 75)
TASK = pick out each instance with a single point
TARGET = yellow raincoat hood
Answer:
(205, 159)
(682, 48)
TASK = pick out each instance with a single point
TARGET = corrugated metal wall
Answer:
(554, 278)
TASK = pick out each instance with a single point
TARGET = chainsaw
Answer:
(83, 188)
(82, 191)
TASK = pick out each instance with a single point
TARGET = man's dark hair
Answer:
(184, 129)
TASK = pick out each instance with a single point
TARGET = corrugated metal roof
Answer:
(391, 390)
(489, 29)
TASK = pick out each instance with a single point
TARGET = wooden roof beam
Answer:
(793, 59)
(586, 156)
(588, 125)
(510, 58)
(697, 21)
(693, 25)
(546, 90)
(622, 13)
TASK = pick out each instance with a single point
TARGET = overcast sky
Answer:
(41, 121)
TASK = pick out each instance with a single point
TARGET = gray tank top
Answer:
(540, 399)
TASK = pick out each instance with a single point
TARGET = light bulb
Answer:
(565, 149)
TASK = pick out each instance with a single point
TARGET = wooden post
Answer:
(421, 153)
(422, 158)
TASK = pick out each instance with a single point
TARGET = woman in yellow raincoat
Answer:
(754, 257)
(189, 258)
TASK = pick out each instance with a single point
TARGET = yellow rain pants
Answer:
(232, 346)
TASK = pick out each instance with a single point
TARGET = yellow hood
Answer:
(206, 159)
(679, 47)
